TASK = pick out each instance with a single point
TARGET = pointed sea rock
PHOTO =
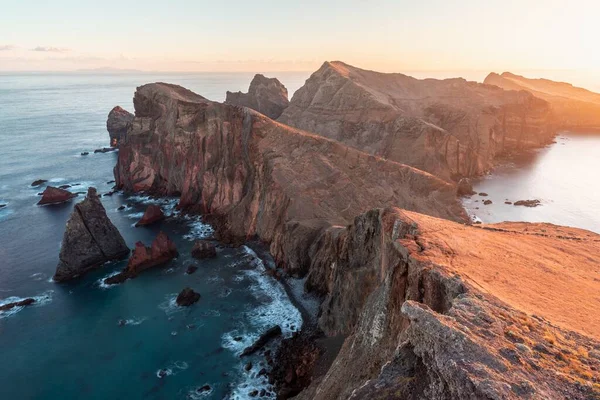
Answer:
(90, 239)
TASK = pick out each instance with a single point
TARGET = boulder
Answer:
(2, 205)
(487, 202)
(465, 187)
(528, 203)
(85, 153)
(38, 182)
(187, 297)
(90, 240)
(117, 123)
(161, 251)
(21, 303)
(54, 195)
(268, 96)
(262, 341)
(152, 214)
(203, 249)
(191, 269)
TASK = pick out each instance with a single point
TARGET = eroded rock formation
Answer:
(161, 251)
(430, 308)
(187, 297)
(450, 128)
(268, 96)
(90, 240)
(152, 214)
(117, 124)
(54, 195)
(575, 108)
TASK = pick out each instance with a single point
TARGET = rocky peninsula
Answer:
(429, 307)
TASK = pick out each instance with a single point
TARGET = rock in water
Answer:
(203, 249)
(161, 251)
(528, 203)
(268, 96)
(54, 195)
(265, 338)
(22, 303)
(90, 240)
(465, 187)
(187, 297)
(153, 214)
(38, 182)
(117, 123)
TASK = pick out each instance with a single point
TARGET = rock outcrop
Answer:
(268, 96)
(203, 249)
(117, 124)
(54, 195)
(430, 308)
(575, 108)
(187, 297)
(161, 251)
(20, 303)
(152, 214)
(90, 240)
(262, 341)
(450, 128)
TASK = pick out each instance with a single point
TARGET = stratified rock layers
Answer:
(259, 177)
(90, 240)
(450, 128)
(432, 309)
(268, 96)
(575, 108)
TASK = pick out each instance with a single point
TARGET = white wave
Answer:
(38, 276)
(56, 180)
(169, 306)
(199, 393)
(136, 215)
(199, 230)
(40, 300)
(104, 285)
(172, 369)
(133, 321)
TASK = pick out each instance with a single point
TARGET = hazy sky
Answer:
(264, 35)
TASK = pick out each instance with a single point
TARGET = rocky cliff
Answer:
(430, 308)
(575, 108)
(268, 96)
(90, 240)
(117, 123)
(450, 128)
(258, 177)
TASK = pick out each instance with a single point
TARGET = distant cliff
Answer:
(450, 128)
(575, 108)
(268, 96)
(429, 308)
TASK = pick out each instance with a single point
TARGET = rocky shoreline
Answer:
(398, 285)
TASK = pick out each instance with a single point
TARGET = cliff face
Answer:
(117, 124)
(268, 96)
(431, 309)
(435, 310)
(449, 128)
(259, 177)
(575, 108)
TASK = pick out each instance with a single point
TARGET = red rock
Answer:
(160, 252)
(54, 195)
(152, 214)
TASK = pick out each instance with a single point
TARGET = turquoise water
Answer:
(86, 340)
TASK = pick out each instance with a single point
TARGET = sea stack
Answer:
(117, 123)
(90, 239)
(268, 96)
(54, 195)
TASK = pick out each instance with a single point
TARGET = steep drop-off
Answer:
(575, 108)
(430, 308)
(450, 128)
(259, 177)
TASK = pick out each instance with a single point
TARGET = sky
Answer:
(264, 35)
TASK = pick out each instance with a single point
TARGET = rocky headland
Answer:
(268, 96)
(451, 128)
(90, 240)
(575, 108)
(428, 307)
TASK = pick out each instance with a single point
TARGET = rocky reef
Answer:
(117, 123)
(430, 307)
(451, 128)
(575, 108)
(90, 240)
(268, 96)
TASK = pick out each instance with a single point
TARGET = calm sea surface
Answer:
(85, 340)
(564, 176)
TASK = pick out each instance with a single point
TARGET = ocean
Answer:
(86, 340)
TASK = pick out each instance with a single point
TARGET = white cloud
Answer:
(50, 49)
